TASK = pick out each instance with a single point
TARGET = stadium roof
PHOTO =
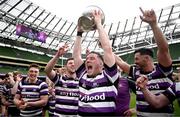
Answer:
(125, 36)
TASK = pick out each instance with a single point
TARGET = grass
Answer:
(177, 108)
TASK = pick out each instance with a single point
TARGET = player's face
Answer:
(70, 66)
(93, 64)
(2, 81)
(140, 60)
(33, 73)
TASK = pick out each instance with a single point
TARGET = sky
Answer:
(114, 10)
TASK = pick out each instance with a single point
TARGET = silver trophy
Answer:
(86, 21)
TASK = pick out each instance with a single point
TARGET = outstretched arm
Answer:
(104, 40)
(15, 87)
(49, 67)
(156, 101)
(77, 48)
(163, 54)
(122, 64)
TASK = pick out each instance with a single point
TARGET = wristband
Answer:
(79, 34)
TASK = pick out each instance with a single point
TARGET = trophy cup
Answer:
(86, 21)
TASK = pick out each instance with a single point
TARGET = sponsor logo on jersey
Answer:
(87, 98)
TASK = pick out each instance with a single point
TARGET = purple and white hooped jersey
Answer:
(31, 92)
(66, 95)
(173, 92)
(97, 94)
(159, 80)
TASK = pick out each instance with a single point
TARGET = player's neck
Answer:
(148, 68)
(71, 74)
(29, 80)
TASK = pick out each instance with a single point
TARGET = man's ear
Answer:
(101, 64)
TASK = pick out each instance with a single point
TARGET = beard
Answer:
(71, 71)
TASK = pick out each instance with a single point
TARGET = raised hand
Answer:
(79, 28)
(149, 16)
(62, 50)
(97, 16)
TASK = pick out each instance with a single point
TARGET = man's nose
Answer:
(88, 60)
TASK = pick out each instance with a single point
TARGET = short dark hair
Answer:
(34, 65)
(98, 54)
(4, 76)
(144, 51)
(68, 60)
